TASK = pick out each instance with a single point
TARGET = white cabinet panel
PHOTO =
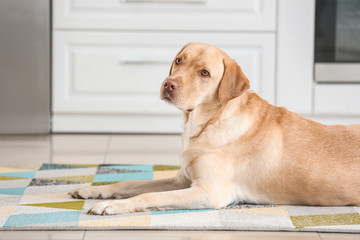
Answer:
(249, 15)
(295, 55)
(337, 99)
(118, 72)
(119, 69)
(102, 74)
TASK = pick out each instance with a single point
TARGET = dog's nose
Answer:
(170, 85)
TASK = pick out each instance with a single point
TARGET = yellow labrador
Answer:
(237, 147)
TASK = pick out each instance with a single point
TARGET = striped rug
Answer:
(38, 200)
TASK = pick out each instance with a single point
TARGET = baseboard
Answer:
(92, 123)
(163, 124)
(331, 120)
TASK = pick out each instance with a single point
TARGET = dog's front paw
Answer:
(110, 207)
(84, 192)
(98, 192)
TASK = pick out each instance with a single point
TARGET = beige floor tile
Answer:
(73, 158)
(145, 143)
(79, 148)
(42, 235)
(27, 152)
(79, 142)
(144, 149)
(163, 159)
(206, 235)
(339, 236)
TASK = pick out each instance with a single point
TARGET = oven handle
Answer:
(337, 72)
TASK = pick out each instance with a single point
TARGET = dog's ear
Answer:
(233, 83)
(172, 64)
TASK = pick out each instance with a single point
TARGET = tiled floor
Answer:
(32, 151)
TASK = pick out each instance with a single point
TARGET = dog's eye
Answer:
(178, 61)
(205, 73)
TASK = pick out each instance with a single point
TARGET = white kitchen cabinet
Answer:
(173, 15)
(111, 56)
(110, 81)
(337, 100)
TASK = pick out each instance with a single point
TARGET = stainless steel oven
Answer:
(337, 41)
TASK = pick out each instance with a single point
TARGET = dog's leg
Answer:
(131, 188)
(194, 197)
(211, 187)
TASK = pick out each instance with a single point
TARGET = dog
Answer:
(239, 148)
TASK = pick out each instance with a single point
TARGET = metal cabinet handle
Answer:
(166, 1)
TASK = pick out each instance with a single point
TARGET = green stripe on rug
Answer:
(165, 167)
(10, 178)
(73, 205)
(88, 178)
(323, 220)
(103, 183)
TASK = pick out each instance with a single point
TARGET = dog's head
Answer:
(201, 73)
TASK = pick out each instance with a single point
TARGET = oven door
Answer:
(337, 41)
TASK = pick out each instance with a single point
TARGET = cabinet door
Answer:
(110, 82)
(225, 15)
(337, 100)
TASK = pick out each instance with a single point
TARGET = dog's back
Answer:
(322, 161)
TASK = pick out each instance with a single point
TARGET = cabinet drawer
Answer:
(122, 72)
(249, 15)
(337, 99)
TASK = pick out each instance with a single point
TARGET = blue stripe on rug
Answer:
(29, 174)
(50, 166)
(123, 176)
(38, 218)
(12, 191)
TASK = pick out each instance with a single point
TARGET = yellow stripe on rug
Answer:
(279, 211)
(4, 170)
(6, 210)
